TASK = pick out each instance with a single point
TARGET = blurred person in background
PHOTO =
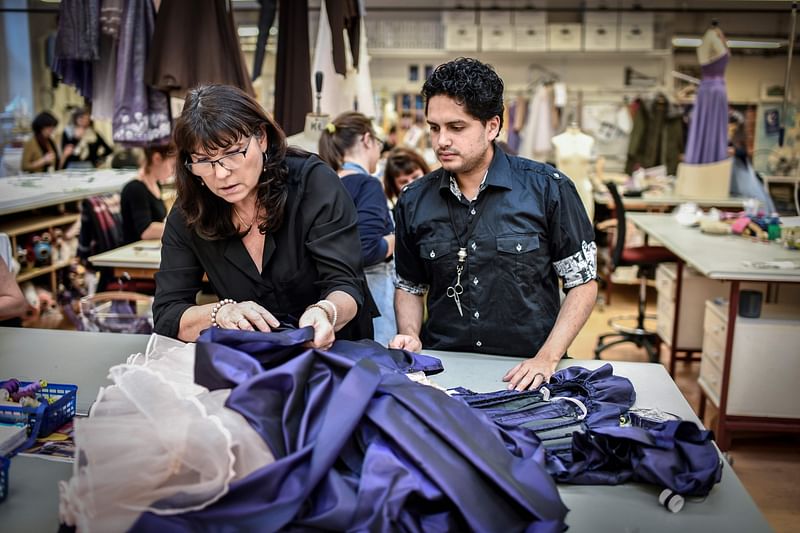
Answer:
(403, 166)
(40, 154)
(351, 147)
(81, 145)
(143, 210)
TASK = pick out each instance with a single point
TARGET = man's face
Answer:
(461, 141)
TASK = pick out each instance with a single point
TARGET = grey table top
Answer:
(722, 257)
(84, 358)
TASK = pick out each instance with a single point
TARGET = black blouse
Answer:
(139, 209)
(315, 252)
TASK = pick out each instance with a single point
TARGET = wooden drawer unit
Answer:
(765, 360)
(696, 289)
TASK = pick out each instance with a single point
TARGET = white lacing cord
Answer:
(546, 397)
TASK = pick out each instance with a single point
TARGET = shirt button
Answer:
(475, 280)
(477, 314)
(473, 211)
(479, 344)
(474, 245)
(555, 175)
(519, 247)
(433, 254)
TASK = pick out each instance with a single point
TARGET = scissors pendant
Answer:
(457, 289)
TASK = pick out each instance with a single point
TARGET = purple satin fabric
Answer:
(674, 454)
(359, 447)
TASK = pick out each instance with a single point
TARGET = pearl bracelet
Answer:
(216, 308)
(331, 313)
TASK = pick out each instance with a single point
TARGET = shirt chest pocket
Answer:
(521, 255)
(439, 258)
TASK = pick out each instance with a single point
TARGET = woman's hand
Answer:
(247, 316)
(318, 319)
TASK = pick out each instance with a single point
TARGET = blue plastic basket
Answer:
(5, 462)
(47, 417)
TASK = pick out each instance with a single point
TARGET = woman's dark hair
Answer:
(164, 150)
(400, 161)
(43, 120)
(341, 134)
(215, 117)
(77, 113)
(471, 83)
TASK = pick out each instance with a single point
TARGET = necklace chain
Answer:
(245, 224)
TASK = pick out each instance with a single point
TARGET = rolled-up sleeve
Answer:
(178, 279)
(573, 248)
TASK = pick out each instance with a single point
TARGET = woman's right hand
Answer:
(247, 316)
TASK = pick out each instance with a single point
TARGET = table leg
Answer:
(673, 347)
(723, 436)
(701, 409)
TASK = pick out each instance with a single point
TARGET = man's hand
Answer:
(406, 342)
(531, 373)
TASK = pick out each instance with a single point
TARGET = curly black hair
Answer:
(474, 84)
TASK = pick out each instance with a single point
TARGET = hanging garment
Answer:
(657, 135)
(293, 64)
(539, 127)
(344, 15)
(708, 126)
(77, 43)
(515, 114)
(141, 114)
(195, 42)
(352, 89)
(338, 424)
(104, 79)
(266, 16)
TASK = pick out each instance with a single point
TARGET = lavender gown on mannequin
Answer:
(708, 127)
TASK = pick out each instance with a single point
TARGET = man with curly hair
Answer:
(487, 236)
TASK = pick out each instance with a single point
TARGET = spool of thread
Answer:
(27, 401)
(671, 500)
(12, 385)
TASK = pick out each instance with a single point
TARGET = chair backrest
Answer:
(619, 210)
(101, 225)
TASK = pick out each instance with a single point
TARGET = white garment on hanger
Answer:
(340, 93)
(574, 150)
(538, 129)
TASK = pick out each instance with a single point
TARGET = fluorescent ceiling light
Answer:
(694, 42)
(247, 31)
(745, 43)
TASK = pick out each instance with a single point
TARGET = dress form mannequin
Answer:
(712, 47)
(573, 154)
(308, 139)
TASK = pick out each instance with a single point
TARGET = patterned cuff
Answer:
(578, 268)
(417, 289)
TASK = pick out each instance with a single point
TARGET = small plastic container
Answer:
(47, 417)
(42, 420)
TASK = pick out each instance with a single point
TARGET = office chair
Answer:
(646, 258)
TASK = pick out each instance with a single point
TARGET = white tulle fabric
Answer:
(155, 441)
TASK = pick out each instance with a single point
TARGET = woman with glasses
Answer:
(351, 147)
(271, 227)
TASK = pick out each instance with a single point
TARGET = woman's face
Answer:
(82, 120)
(401, 180)
(163, 167)
(47, 131)
(235, 177)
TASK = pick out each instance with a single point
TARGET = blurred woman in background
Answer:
(143, 210)
(351, 147)
(81, 145)
(403, 166)
(39, 154)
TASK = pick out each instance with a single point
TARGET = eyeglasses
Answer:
(229, 162)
